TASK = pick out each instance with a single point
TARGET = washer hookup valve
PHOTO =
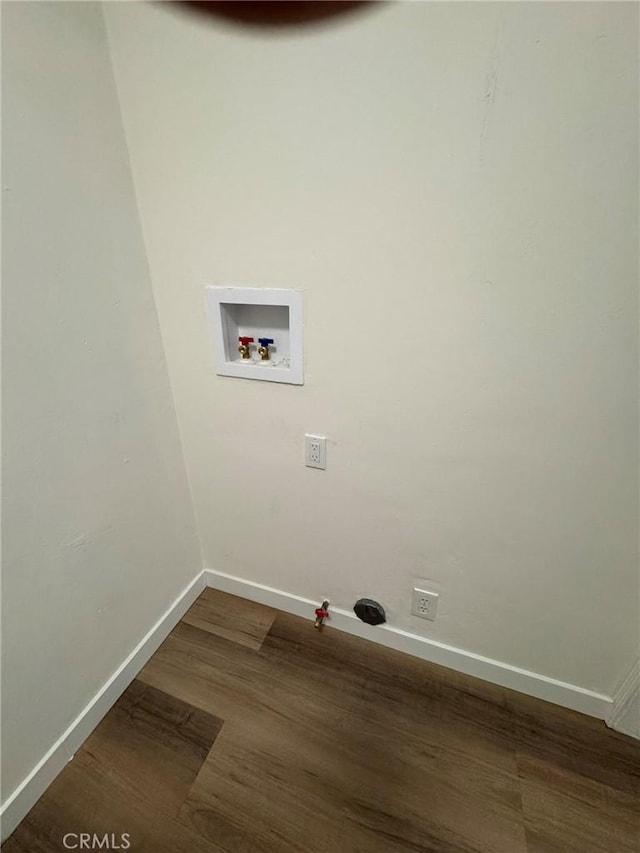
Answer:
(243, 349)
(263, 350)
(322, 613)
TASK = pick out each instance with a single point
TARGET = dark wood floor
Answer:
(251, 732)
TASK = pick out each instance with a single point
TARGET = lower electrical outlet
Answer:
(315, 451)
(424, 604)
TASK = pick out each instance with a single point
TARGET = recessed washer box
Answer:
(255, 312)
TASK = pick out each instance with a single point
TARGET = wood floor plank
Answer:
(370, 678)
(333, 790)
(205, 670)
(131, 775)
(331, 743)
(233, 683)
(566, 812)
(151, 745)
(314, 741)
(233, 618)
(82, 801)
(579, 744)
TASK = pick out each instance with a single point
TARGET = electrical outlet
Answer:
(315, 451)
(424, 604)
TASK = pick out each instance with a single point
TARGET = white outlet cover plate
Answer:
(315, 451)
(424, 604)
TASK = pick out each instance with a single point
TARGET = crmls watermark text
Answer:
(93, 841)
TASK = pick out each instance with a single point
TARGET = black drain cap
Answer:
(369, 611)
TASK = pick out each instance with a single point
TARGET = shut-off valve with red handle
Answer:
(322, 613)
(243, 349)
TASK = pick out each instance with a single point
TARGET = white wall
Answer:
(99, 533)
(454, 186)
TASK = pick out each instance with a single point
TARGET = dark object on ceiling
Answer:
(273, 14)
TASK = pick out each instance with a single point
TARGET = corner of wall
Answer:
(625, 710)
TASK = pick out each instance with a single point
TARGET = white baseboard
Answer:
(26, 795)
(625, 711)
(503, 674)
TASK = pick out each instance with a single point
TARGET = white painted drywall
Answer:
(99, 532)
(454, 186)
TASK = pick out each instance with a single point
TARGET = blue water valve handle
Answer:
(263, 352)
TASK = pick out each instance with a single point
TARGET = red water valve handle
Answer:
(244, 341)
(321, 613)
